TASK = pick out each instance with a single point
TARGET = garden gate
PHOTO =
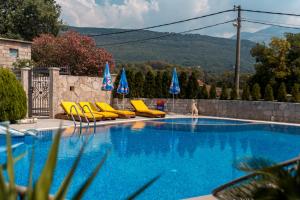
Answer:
(38, 95)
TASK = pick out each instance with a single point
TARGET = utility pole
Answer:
(238, 51)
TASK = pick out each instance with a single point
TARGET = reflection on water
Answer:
(195, 159)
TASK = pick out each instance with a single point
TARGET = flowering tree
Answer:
(71, 49)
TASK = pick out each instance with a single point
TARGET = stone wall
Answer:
(255, 110)
(23, 48)
(76, 89)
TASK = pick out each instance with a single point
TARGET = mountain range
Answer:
(212, 54)
(265, 35)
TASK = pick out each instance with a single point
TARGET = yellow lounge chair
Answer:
(122, 113)
(106, 115)
(67, 108)
(143, 110)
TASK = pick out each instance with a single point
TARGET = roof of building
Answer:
(14, 40)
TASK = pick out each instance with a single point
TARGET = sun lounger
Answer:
(87, 106)
(67, 108)
(143, 110)
(122, 113)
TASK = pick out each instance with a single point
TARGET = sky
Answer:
(142, 13)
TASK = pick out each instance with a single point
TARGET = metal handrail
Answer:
(231, 184)
(92, 115)
(71, 113)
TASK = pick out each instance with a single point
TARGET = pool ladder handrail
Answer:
(77, 113)
(90, 111)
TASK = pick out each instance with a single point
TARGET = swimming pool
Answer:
(194, 156)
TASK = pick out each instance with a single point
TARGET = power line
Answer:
(165, 35)
(161, 25)
(272, 13)
(270, 24)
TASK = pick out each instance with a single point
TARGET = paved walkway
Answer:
(47, 124)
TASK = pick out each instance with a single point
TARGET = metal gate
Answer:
(38, 97)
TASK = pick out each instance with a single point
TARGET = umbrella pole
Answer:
(123, 100)
(173, 102)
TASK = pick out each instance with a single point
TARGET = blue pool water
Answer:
(193, 157)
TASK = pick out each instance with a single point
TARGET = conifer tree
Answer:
(166, 81)
(281, 95)
(233, 94)
(130, 80)
(213, 92)
(183, 81)
(116, 83)
(246, 93)
(192, 89)
(158, 85)
(269, 96)
(256, 93)
(224, 94)
(296, 93)
(149, 85)
(138, 86)
(204, 92)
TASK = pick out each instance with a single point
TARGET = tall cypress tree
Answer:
(138, 86)
(204, 92)
(213, 92)
(269, 96)
(130, 80)
(158, 85)
(149, 85)
(224, 94)
(281, 96)
(233, 94)
(183, 81)
(256, 93)
(193, 88)
(166, 81)
(246, 93)
(296, 93)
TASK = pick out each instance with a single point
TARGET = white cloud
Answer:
(140, 13)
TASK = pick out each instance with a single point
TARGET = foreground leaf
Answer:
(88, 182)
(143, 188)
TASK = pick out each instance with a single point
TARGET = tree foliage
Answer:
(138, 87)
(281, 96)
(166, 81)
(233, 94)
(246, 93)
(13, 101)
(278, 62)
(183, 81)
(193, 87)
(71, 49)
(256, 92)
(296, 93)
(269, 96)
(158, 85)
(224, 94)
(149, 85)
(213, 92)
(27, 19)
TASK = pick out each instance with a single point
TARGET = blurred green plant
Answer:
(22, 63)
(41, 188)
(271, 182)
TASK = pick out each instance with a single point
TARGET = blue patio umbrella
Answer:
(174, 88)
(107, 84)
(123, 85)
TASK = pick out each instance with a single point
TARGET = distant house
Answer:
(11, 50)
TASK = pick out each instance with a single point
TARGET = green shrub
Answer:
(149, 85)
(256, 94)
(233, 94)
(224, 94)
(281, 96)
(13, 101)
(212, 92)
(193, 88)
(269, 96)
(296, 93)
(246, 93)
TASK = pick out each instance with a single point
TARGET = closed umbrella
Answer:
(174, 88)
(107, 84)
(123, 85)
